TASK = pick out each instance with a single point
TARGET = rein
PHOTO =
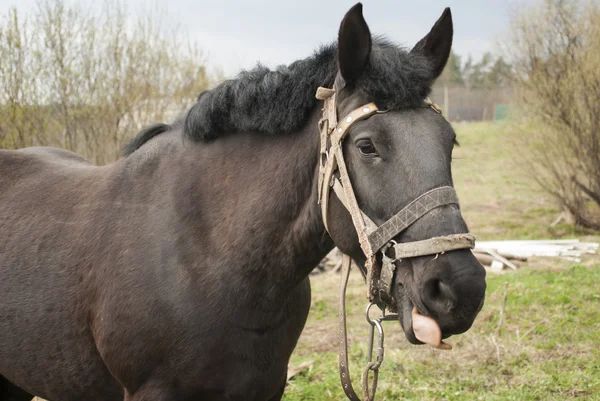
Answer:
(372, 238)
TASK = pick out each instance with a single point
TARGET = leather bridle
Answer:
(373, 238)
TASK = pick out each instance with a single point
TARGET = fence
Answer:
(463, 104)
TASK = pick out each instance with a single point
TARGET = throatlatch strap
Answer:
(326, 164)
(339, 191)
(412, 212)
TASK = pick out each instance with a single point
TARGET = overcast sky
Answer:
(238, 34)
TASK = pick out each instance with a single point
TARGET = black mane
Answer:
(280, 101)
(144, 136)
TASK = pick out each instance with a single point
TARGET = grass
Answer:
(549, 345)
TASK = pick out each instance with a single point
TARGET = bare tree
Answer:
(89, 79)
(555, 48)
(18, 82)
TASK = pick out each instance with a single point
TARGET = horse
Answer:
(180, 271)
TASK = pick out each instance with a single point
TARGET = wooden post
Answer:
(446, 105)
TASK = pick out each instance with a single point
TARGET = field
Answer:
(549, 345)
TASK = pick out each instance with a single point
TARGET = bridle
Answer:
(372, 238)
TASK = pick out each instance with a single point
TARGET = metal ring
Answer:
(391, 243)
(367, 313)
(377, 324)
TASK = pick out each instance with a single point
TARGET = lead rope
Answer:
(369, 395)
(343, 356)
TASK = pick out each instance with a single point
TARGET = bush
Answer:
(555, 48)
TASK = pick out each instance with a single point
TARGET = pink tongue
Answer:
(427, 330)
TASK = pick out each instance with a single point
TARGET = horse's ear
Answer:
(437, 43)
(354, 44)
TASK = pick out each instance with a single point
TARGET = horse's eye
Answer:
(366, 147)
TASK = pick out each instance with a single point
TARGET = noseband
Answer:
(373, 238)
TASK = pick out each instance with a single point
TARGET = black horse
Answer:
(180, 272)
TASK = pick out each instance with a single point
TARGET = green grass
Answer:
(547, 348)
(549, 345)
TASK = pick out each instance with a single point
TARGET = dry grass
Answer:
(498, 200)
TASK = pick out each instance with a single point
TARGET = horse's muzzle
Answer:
(447, 288)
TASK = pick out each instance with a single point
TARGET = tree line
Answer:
(490, 72)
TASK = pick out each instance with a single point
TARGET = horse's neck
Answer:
(251, 201)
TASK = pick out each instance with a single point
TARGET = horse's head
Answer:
(395, 156)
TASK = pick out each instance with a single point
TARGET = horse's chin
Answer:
(404, 306)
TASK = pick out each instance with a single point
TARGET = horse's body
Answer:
(91, 310)
(180, 272)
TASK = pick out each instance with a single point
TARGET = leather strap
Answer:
(435, 245)
(369, 394)
(431, 246)
(326, 124)
(357, 219)
(368, 391)
(325, 192)
(334, 155)
(355, 115)
(324, 133)
(409, 214)
(435, 107)
(386, 281)
(339, 191)
(343, 354)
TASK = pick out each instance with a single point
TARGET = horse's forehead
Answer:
(409, 121)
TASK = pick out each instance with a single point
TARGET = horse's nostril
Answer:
(434, 288)
(451, 290)
(437, 295)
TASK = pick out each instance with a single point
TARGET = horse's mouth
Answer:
(419, 329)
(405, 306)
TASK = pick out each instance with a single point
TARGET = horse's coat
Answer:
(180, 272)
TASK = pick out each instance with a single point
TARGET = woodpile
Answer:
(498, 255)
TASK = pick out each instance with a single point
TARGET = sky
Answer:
(236, 35)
